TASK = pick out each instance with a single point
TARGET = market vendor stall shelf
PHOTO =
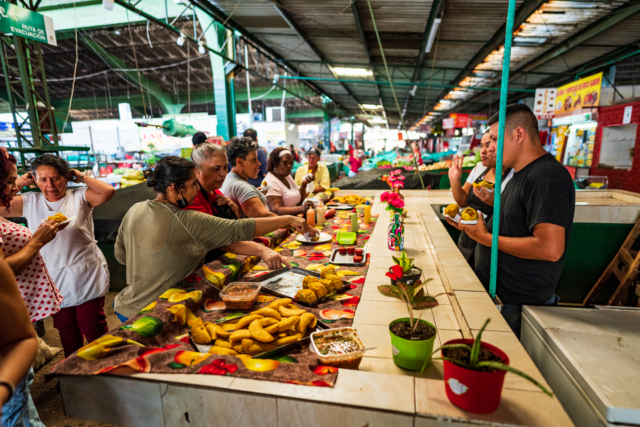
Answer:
(378, 393)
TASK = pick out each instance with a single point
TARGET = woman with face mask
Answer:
(161, 243)
(73, 259)
(285, 196)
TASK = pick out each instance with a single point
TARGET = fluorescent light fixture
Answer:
(353, 72)
(432, 34)
(371, 106)
(529, 40)
(201, 48)
(377, 120)
(180, 40)
(292, 126)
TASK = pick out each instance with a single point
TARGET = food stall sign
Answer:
(25, 23)
(574, 97)
(626, 119)
(545, 103)
(461, 120)
(448, 123)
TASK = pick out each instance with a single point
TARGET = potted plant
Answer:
(410, 273)
(474, 373)
(411, 339)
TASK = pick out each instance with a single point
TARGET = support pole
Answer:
(246, 66)
(506, 61)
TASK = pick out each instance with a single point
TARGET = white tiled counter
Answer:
(379, 394)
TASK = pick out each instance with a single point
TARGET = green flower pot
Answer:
(410, 354)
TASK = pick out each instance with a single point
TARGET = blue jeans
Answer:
(513, 314)
(20, 411)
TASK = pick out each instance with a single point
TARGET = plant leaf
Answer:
(390, 291)
(441, 358)
(396, 260)
(424, 302)
(503, 367)
(408, 289)
(477, 345)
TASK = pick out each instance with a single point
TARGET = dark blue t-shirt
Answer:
(542, 192)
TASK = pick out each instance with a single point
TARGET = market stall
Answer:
(378, 393)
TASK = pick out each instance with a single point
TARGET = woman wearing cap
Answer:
(320, 173)
(284, 197)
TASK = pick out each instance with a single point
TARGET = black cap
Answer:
(199, 138)
(313, 151)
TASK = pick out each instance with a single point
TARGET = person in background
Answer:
(243, 157)
(212, 167)
(285, 197)
(161, 244)
(476, 197)
(262, 158)
(321, 181)
(536, 216)
(198, 138)
(73, 259)
(294, 153)
(353, 162)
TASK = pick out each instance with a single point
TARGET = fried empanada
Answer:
(240, 335)
(211, 330)
(284, 341)
(307, 280)
(280, 303)
(305, 295)
(319, 288)
(258, 332)
(305, 320)
(246, 320)
(292, 310)
(327, 271)
(222, 343)
(220, 332)
(288, 323)
(199, 333)
(268, 312)
(222, 350)
(268, 321)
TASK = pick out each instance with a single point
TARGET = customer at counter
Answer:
(212, 167)
(161, 244)
(536, 216)
(476, 197)
(262, 158)
(320, 173)
(73, 259)
(284, 196)
(243, 157)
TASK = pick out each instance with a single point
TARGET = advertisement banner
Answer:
(448, 123)
(576, 96)
(545, 103)
(461, 120)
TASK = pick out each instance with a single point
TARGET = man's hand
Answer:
(308, 178)
(455, 170)
(477, 232)
(484, 195)
(273, 259)
(302, 227)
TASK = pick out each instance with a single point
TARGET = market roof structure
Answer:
(442, 55)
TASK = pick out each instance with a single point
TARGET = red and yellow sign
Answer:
(576, 96)
(461, 120)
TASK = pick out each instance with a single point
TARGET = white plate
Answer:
(324, 238)
(63, 224)
(456, 219)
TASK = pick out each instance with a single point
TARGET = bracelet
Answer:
(9, 386)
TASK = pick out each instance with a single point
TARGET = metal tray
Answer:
(292, 283)
(346, 259)
(340, 206)
(204, 348)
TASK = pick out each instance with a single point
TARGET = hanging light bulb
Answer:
(180, 40)
(201, 48)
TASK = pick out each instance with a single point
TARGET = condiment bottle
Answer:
(320, 215)
(367, 213)
(354, 221)
(311, 218)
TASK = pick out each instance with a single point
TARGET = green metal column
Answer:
(223, 84)
(327, 131)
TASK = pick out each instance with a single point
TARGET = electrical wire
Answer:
(75, 68)
(135, 57)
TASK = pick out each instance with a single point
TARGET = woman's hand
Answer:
(224, 200)
(25, 180)
(308, 205)
(46, 232)
(484, 195)
(273, 259)
(455, 170)
(75, 176)
(302, 227)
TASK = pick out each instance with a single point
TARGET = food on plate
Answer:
(350, 199)
(291, 310)
(211, 330)
(246, 320)
(327, 271)
(484, 184)
(268, 321)
(221, 333)
(469, 214)
(319, 289)
(305, 320)
(288, 323)
(223, 351)
(315, 238)
(304, 295)
(357, 259)
(307, 280)
(268, 312)
(199, 332)
(222, 343)
(258, 333)
(452, 210)
(57, 218)
(253, 347)
(336, 281)
(282, 302)
(285, 340)
(240, 335)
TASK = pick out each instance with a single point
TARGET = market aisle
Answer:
(46, 396)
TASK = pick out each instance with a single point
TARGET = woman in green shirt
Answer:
(161, 244)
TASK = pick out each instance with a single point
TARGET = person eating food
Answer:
(477, 191)
(212, 168)
(73, 259)
(243, 157)
(160, 243)
(284, 196)
(320, 173)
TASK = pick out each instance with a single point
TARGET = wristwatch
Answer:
(9, 386)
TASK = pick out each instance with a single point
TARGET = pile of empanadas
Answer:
(314, 288)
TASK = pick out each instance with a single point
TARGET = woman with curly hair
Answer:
(284, 197)
(73, 259)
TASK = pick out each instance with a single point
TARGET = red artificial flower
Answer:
(396, 272)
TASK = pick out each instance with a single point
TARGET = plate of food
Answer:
(484, 184)
(467, 215)
(452, 212)
(60, 219)
(320, 238)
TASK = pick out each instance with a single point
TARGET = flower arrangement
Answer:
(394, 202)
(395, 179)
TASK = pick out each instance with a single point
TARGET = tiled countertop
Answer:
(379, 393)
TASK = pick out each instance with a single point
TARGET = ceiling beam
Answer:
(296, 29)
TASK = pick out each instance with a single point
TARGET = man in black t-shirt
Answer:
(536, 216)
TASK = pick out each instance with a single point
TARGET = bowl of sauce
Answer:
(339, 347)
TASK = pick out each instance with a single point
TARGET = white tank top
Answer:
(75, 263)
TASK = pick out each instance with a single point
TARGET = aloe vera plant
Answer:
(413, 296)
(475, 365)
(404, 262)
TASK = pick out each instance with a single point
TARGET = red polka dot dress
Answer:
(39, 292)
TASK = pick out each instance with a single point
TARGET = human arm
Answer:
(254, 208)
(224, 200)
(276, 205)
(98, 192)
(43, 235)
(270, 257)
(120, 250)
(18, 343)
(459, 191)
(483, 194)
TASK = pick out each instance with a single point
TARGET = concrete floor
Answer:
(47, 398)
